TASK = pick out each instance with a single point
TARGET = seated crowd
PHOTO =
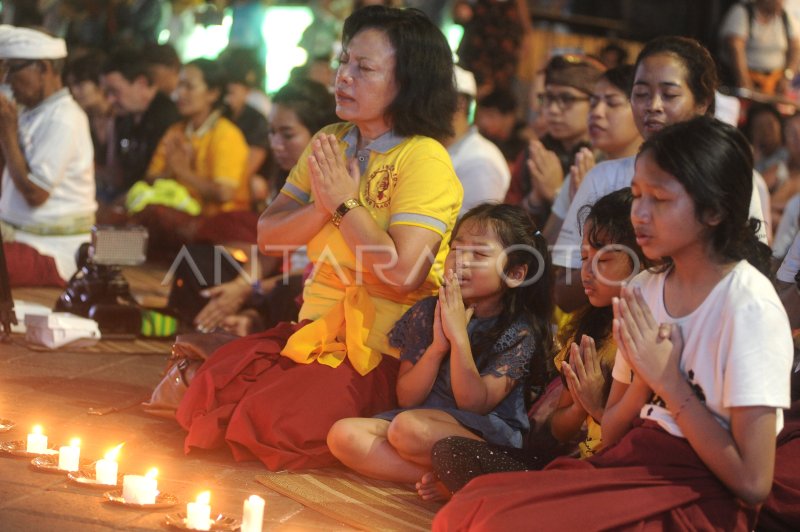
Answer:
(521, 318)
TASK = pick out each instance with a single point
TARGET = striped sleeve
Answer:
(428, 192)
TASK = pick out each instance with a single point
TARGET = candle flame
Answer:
(153, 473)
(37, 429)
(75, 442)
(204, 497)
(113, 453)
(254, 499)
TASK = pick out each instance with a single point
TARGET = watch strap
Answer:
(346, 206)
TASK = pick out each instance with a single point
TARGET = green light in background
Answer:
(208, 41)
(282, 28)
(453, 32)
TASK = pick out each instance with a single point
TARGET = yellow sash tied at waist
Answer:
(343, 330)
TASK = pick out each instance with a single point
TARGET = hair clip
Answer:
(537, 233)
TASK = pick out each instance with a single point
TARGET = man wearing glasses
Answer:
(47, 196)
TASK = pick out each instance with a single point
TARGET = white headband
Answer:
(25, 43)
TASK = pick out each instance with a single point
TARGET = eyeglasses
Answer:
(9, 69)
(563, 101)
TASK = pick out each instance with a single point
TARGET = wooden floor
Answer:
(65, 389)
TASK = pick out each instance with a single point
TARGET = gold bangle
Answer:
(346, 206)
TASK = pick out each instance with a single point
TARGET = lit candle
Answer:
(37, 442)
(106, 469)
(137, 489)
(69, 456)
(198, 513)
(253, 514)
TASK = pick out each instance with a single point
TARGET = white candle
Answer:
(37, 442)
(106, 469)
(137, 489)
(198, 513)
(106, 472)
(69, 456)
(253, 514)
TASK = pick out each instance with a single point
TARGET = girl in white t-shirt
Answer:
(702, 371)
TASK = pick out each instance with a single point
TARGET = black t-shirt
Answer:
(136, 142)
(254, 126)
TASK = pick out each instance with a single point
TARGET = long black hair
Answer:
(620, 77)
(714, 163)
(532, 301)
(607, 222)
(310, 100)
(426, 96)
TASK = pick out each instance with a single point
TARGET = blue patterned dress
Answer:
(510, 356)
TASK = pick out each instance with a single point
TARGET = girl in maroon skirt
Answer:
(702, 370)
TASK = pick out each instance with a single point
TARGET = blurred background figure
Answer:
(244, 74)
(760, 46)
(165, 66)
(479, 164)
(82, 77)
(613, 55)
(247, 27)
(321, 36)
(143, 114)
(493, 35)
(247, 71)
(136, 22)
(300, 109)
(496, 118)
(539, 170)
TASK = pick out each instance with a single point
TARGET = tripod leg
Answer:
(7, 315)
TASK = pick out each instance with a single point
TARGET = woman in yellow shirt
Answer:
(195, 189)
(375, 199)
(205, 152)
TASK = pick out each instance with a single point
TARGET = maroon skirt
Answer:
(267, 407)
(781, 511)
(650, 480)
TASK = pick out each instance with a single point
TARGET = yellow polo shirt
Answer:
(220, 155)
(404, 181)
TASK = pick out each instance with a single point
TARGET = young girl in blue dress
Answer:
(701, 375)
(609, 256)
(467, 354)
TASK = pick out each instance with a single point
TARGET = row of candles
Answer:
(143, 489)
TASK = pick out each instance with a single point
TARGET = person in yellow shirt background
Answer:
(198, 169)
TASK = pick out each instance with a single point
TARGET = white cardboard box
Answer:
(60, 328)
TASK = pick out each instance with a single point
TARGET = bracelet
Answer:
(346, 206)
(682, 406)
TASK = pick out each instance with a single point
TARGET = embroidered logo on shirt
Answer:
(380, 185)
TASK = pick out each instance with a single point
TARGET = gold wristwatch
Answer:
(346, 206)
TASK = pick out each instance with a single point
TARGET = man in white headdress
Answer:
(47, 199)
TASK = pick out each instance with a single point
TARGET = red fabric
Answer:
(649, 481)
(514, 195)
(228, 227)
(169, 229)
(266, 407)
(781, 511)
(28, 267)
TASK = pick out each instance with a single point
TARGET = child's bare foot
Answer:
(430, 488)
